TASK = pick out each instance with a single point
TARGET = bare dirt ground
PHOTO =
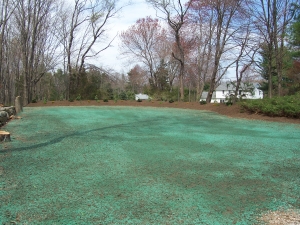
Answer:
(281, 217)
(230, 111)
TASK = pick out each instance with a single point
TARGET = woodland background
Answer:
(46, 46)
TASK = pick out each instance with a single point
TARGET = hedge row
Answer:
(287, 106)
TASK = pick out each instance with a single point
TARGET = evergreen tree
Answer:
(161, 75)
(293, 74)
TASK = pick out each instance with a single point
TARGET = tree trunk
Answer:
(200, 87)
(270, 82)
(25, 90)
(211, 91)
(181, 83)
(213, 81)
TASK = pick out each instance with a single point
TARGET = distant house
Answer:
(224, 90)
(141, 97)
(204, 96)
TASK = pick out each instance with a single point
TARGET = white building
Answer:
(141, 97)
(224, 90)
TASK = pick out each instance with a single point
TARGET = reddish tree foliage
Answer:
(142, 43)
(175, 15)
(137, 78)
(293, 76)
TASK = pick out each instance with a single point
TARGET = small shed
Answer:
(141, 97)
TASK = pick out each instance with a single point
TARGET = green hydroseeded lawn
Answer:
(127, 165)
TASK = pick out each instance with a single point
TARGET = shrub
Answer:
(164, 96)
(122, 96)
(171, 101)
(287, 106)
(130, 95)
(71, 100)
(105, 100)
(202, 102)
(269, 110)
(116, 98)
(34, 101)
(78, 98)
(139, 100)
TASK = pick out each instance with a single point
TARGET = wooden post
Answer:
(4, 136)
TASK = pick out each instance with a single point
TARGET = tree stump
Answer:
(18, 105)
(4, 136)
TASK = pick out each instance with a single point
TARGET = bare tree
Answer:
(247, 47)
(224, 16)
(271, 20)
(84, 33)
(137, 78)
(143, 41)
(33, 23)
(173, 71)
(204, 24)
(175, 12)
(6, 10)
(163, 48)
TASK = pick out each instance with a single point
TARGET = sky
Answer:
(110, 58)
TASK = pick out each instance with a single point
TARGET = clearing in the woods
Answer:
(129, 165)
